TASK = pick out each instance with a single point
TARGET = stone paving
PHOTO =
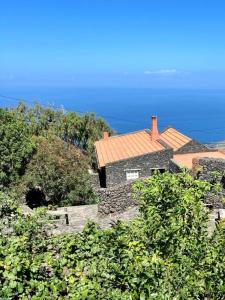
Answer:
(79, 215)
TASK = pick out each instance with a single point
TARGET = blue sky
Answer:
(145, 43)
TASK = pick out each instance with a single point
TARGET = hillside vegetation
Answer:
(166, 253)
(50, 150)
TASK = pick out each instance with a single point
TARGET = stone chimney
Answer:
(105, 135)
(154, 130)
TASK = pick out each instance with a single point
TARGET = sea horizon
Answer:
(198, 113)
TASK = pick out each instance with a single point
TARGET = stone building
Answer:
(137, 154)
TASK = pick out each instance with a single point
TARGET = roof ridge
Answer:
(123, 134)
(168, 127)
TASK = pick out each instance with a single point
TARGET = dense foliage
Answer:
(16, 148)
(61, 170)
(79, 130)
(51, 149)
(166, 253)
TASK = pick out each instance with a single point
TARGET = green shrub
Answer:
(165, 253)
(61, 171)
(16, 148)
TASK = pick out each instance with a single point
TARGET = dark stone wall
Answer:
(213, 171)
(116, 172)
(174, 167)
(209, 168)
(119, 198)
(95, 181)
(193, 147)
(115, 199)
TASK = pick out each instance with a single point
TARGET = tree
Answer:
(78, 130)
(90, 130)
(16, 148)
(60, 171)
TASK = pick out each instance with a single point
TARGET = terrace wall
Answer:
(115, 199)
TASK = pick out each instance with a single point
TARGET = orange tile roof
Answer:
(125, 146)
(174, 138)
(185, 160)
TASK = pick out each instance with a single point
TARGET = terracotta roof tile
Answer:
(174, 138)
(185, 160)
(135, 144)
(125, 146)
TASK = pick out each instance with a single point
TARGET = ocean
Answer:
(199, 114)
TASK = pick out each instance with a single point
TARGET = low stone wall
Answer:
(213, 171)
(115, 199)
(209, 169)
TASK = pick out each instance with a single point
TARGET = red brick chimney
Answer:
(154, 131)
(105, 135)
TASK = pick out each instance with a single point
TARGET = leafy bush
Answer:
(8, 206)
(165, 253)
(60, 171)
(16, 148)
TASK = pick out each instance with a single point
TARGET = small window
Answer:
(132, 174)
